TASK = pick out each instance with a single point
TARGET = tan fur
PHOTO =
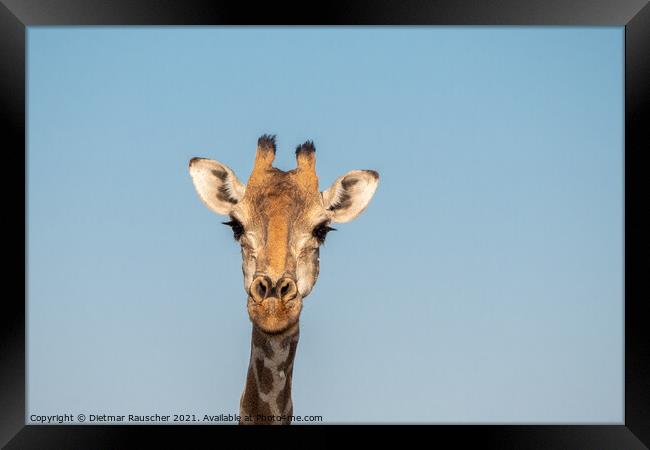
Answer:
(263, 160)
(306, 171)
(278, 235)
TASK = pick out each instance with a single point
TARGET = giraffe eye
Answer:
(320, 232)
(237, 227)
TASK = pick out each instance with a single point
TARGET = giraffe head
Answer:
(280, 219)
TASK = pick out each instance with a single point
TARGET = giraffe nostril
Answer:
(287, 289)
(260, 288)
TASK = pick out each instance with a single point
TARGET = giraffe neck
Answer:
(267, 395)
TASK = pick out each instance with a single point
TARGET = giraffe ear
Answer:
(350, 194)
(216, 184)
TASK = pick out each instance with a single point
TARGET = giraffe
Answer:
(280, 219)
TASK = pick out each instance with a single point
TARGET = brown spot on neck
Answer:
(260, 340)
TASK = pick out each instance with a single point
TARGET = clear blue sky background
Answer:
(483, 284)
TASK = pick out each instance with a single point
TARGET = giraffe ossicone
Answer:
(280, 219)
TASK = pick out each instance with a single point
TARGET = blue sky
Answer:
(483, 284)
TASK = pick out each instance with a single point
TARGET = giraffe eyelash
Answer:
(237, 227)
(320, 232)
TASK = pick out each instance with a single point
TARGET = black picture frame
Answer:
(634, 15)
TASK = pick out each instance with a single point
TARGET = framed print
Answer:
(424, 214)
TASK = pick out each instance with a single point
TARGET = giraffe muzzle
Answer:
(263, 288)
(274, 307)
